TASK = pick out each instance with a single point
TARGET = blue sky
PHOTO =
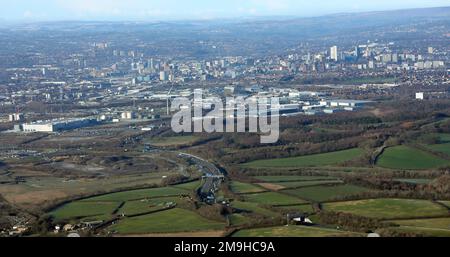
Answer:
(15, 10)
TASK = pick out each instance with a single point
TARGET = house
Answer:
(298, 219)
(302, 220)
(57, 229)
(17, 230)
(68, 227)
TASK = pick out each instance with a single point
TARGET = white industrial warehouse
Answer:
(57, 125)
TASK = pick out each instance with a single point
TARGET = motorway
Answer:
(212, 177)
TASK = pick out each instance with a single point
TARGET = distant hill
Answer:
(271, 35)
(348, 22)
(335, 20)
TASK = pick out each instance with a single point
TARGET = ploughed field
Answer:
(40, 188)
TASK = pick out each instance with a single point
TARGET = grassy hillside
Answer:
(389, 208)
(403, 157)
(315, 160)
(325, 193)
(174, 220)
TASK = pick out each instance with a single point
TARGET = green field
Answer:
(389, 208)
(443, 148)
(243, 188)
(439, 223)
(292, 178)
(253, 207)
(273, 198)
(403, 157)
(444, 143)
(191, 186)
(143, 206)
(303, 208)
(444, 138)
(315, 160)
(237, 219)
(446, 203)
(295, 184)
(137, 207)
(139, 194)
(170, 221)
(84, 209)
(427, 232)
(293, 231)
(324, 193)
(135, 202)
(173, 141)
(414, 180)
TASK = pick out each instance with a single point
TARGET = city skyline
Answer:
(53, 10)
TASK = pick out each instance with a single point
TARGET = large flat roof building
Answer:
(58, 125)
(344, 103)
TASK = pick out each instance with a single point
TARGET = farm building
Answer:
(298, 219)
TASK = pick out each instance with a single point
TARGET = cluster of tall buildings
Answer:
(373, 56)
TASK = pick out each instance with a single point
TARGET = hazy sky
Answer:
(191, 9)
